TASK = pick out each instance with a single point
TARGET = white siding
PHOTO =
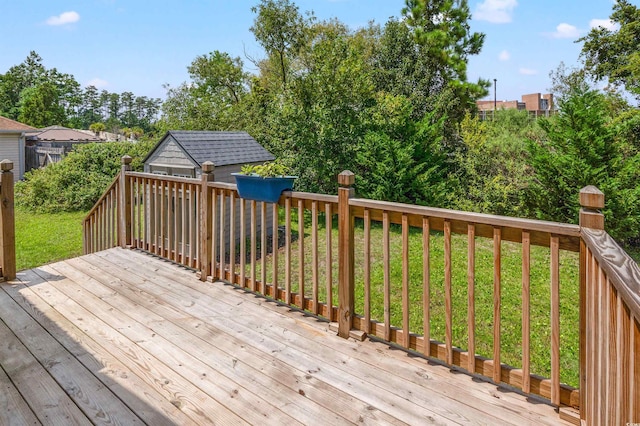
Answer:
(168, 153)
(10, 150)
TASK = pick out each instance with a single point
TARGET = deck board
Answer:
(122, 337)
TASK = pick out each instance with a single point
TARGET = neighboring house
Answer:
(12, 144)
(181, 153)
(49, 145)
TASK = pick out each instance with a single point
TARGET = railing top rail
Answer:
(621, 269)
(554, 228)
(102, 197)
(325, 198)
(163, 177)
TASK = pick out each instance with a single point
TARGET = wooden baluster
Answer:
(367, 271)
(426, 287)
(471, 298)
(405, 281)
(526, 322)
(301, 253)
(329, 260)
(497, 242)
(387, 275)
(185, 224)
(287, 253)
(274, 251)
(243, 244)
(232, 237)
(555, 320)
(263, 247)
(254, 219)
(448, 293)
(314, 255)
(223, 233)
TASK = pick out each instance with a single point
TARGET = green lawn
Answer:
(511, 293)
(45, 238)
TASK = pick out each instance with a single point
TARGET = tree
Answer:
(441, 28)
(613, 53)
(40, 106)
(581, 147)
(281, 31)
(97, 128)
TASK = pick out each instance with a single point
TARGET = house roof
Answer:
(221, 148)
(59, 133)
(8, 124)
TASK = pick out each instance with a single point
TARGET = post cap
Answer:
(346, 178)
(207, 167)
(6, 165)
(126, 159)
(591, 197)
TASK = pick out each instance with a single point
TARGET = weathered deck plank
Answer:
(143, 340)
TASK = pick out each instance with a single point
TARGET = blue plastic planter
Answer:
(254, 187)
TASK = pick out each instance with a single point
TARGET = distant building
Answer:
(537, 104)
(49, 145)
(12, 143)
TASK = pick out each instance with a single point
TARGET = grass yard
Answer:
(44, 238)
(511, 291)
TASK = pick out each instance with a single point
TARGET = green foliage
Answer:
(613, 54)
(441, 28)
(76, 182)
(581, 148)
(491, 170)
(270, 169)
(97, 127)
(400, 160)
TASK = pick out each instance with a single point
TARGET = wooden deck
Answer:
(121, 337)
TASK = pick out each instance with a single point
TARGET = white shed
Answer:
(12, 144)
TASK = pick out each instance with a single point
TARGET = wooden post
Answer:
(206, 224)
(124, 207)
(7, 222)
(346, 180)
(591, 201)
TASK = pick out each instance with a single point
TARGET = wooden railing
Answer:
(610, 326)
(410, 275)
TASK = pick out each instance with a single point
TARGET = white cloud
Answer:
(565, 30)
(604, 23)
(504, 56)
(98, 83)
(495, 11)
(528, 71)
(64, 18)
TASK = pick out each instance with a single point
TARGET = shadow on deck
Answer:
(122, 337)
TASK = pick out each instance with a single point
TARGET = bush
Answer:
(78, 181)
(583, 146)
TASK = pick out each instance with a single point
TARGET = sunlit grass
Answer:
(44, 238)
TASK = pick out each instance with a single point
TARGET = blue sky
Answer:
(139, 45)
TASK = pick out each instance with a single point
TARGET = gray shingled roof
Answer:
(221, 148)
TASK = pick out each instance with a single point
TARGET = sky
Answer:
(140, 45)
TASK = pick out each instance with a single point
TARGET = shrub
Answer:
(78, 181)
